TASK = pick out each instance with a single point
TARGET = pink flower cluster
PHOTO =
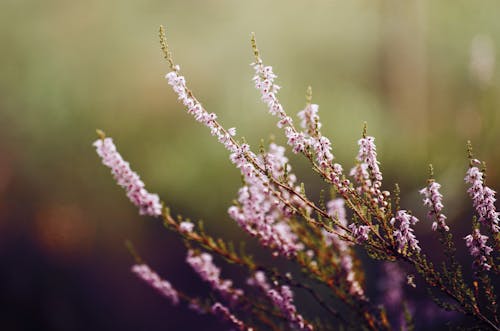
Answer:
(150, 277)
(264, 82)
(148, 203)
(434, 200)
(359, 232)
(194, 108)
(299, 141)
(224, 313)
(283, 299)
(476, 242)
(367, 172)
(209, 272)
(259, 280)
(404, 235)
(309, 119)
(260, 213)
(321, 145)
(483, 198)
(186, 227)
(336, 210)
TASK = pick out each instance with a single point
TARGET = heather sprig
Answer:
(148, 203)
(483, 197)
(434, 200)
(144, 272)
(321, 239)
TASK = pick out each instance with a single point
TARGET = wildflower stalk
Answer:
(273, 207)
(352, 197)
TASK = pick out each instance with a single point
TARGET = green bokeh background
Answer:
(70, 67)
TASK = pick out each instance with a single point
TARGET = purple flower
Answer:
(367, 172)
(194, 108)
(283, 299)
(483, 198)
(309, 119)
(433, 199)
(224, 313)
(186, 227)
(360, 233)
(336, 210)
(149, 204)
(260, 213)
(259, 280)
(404, 235)
(209, 272)
(150, 277)
(476, 242)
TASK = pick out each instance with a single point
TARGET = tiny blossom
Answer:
(150, 277)
(361, 175)
(323, 148)
(310, 119)
(483, 198)
(240, 155)
(220, 310)
(404, 235)
(360, 233)
(337, 178)
(321, 145)
(209, 272)
(476, 242)
(336, 210)
(186, 227)
(260, 213)
(434, 200)
(259, 280)
(194, 108)
(148, 203)
(367, 172)
(283, 299)
(264, 82)
(299, 141)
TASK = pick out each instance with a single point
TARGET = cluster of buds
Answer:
(209, 272)
(404, 234)
(434, 200)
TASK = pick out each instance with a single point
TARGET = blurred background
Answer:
(423, 74)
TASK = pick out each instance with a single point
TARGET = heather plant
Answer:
(322, 238)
